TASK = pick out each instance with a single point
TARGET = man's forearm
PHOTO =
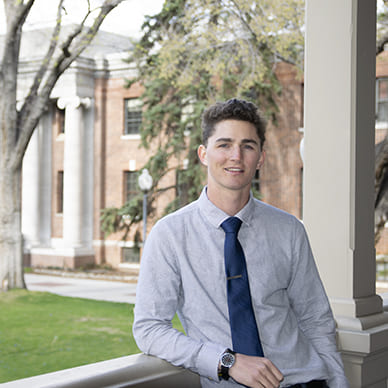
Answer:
(160, 339)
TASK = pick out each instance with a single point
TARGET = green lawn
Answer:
(42, 332)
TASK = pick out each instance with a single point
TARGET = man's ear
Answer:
(261, 160)
(202, 154)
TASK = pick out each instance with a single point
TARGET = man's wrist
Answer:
(227, 360)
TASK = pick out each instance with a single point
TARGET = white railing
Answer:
(137, 370)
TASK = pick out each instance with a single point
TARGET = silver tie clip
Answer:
(234, 277)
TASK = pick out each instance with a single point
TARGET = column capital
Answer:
(74, 101)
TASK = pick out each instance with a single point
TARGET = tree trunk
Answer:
(11, 247)
(17, 125)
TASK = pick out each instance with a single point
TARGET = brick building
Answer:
(282, 173)
(382, 123)
(85, 156)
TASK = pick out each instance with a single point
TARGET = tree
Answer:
(191, 54)
(195, 52)
(381, 188)
(18, 123)
(382, 26)
(381, 161)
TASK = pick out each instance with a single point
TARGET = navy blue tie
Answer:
(245, 335)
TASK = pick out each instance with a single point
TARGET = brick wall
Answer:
(381, 133)
(281, 175)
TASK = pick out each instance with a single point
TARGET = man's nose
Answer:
(235, 153)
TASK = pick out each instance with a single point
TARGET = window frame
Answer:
(128, 195)
(135, 254)
(132, 124)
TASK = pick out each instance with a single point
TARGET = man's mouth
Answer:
(234, 169)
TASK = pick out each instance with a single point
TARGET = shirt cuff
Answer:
(208, 360)
(338, 382)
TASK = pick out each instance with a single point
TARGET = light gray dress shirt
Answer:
(182, 270)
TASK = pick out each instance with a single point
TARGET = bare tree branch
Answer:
(16, 128)
(85, 35)
(71, 48)
(50, 51)
(16, 13)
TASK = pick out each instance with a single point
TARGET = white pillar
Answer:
(45, 177)
(74, 180)
(88, 192)
(36, 186)
(339, 177)
(30, 193)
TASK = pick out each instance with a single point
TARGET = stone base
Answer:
(61, 261)
(366, 371)
(365, 351)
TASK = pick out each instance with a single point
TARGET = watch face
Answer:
(227, 359)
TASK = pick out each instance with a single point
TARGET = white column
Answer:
(74, 180)
(88, 192)
(339, 177)
(36, 186)
(30, 193)
(45, 178)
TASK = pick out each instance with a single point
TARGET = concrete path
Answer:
(112, 291)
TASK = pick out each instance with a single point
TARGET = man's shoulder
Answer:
(185, 211)
(269, 209)
(179, 216)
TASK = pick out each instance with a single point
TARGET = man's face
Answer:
(232, 156)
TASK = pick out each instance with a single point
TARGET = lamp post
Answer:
(145, 184)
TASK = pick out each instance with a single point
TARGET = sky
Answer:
(126, 19)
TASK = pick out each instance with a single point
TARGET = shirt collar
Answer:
(216, 216)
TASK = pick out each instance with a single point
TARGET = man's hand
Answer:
(255, 372)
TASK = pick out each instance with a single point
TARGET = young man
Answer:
(266, 324)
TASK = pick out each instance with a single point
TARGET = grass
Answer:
(42, 332)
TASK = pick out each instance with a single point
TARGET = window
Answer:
(382, 100)
(131, 189)
(130, 255)
(133, 116)
(60, 192)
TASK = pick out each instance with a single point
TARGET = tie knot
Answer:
(231, 225)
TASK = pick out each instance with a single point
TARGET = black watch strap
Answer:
(224, 373)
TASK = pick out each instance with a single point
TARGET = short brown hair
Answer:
(233, 109)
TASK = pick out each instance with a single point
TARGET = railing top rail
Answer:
(136, 370)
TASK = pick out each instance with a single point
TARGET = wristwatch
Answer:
(226, 362)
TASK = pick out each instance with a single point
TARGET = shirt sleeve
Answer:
(158, 296)
(311, 306)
